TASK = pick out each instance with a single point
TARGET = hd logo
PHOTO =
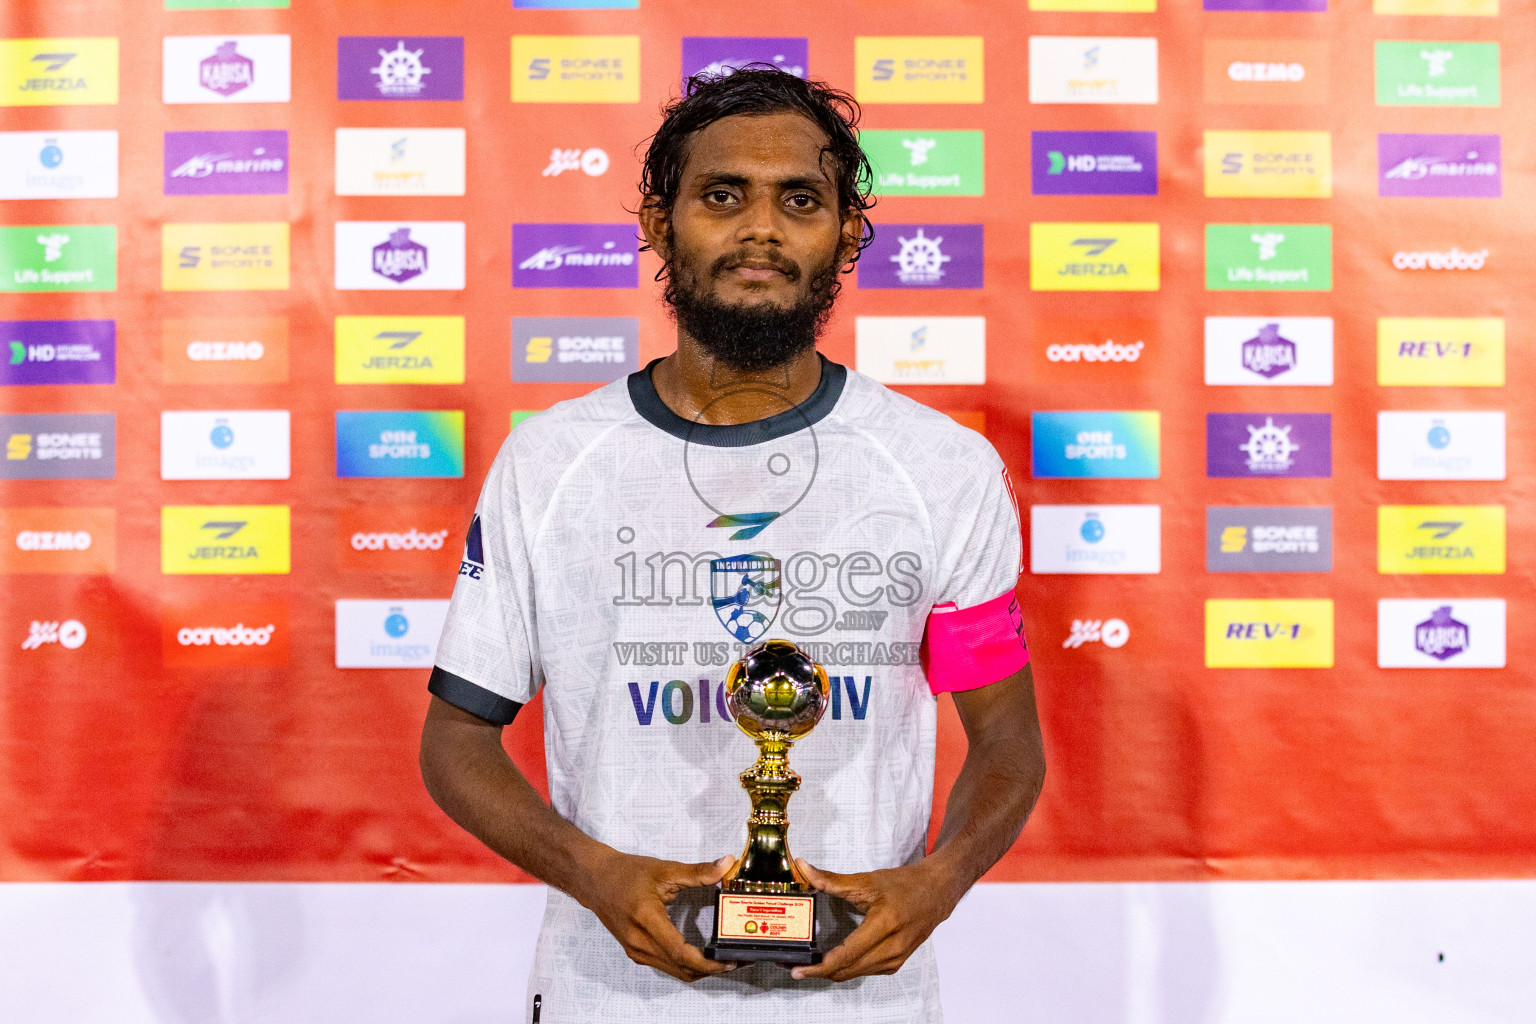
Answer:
(224, 257)
(1268, 164)
(400, 350)
(1440, 352)
(575, 69)
(1094, 257)
(1440, 539)
(57, 72)
(1269, 633)
(919, 69)
(224, 539)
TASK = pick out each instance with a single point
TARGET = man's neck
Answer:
(697, 387)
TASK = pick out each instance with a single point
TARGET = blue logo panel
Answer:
(1103, 445)
(400, 444)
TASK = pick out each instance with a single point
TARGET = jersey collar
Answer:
(642, 392)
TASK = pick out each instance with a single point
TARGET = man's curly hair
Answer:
(757, 89)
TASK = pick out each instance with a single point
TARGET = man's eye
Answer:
(802, 202)
(720, 195)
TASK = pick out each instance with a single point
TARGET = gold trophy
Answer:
(766, 910)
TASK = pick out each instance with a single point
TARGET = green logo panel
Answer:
(920, 163)
(1269, 257)
(1415, 74)
(58, 258)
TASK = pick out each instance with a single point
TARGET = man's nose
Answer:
(761, 221)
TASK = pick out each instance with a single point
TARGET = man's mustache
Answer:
(765, 258)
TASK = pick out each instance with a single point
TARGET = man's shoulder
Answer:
(550, 439)
(919, 437)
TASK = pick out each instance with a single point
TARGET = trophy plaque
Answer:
(765, 909)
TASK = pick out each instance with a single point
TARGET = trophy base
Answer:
(753, 926)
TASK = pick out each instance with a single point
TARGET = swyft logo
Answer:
(223, 635)
(226, 69)
(1269, 634)
(1440, 633)
(1092, 69)
(400, 68)
(922, 350)
(388, 634)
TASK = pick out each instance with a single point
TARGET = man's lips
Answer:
(754, 272)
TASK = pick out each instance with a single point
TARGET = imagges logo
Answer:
(388, 634)
(235, 445)
(1095, 539)
(400, 68)
(58, 165)
(924, 256)
(1440, 446)
(58, 352)
(226, 69)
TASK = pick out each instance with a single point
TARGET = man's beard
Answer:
(751, 336)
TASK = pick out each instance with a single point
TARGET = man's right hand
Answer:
(630, 895)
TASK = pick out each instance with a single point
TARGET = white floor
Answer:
(1235, 953)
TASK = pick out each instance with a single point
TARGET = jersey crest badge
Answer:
(745, 593)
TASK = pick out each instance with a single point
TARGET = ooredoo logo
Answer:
(1093, 349)
(414, 539)
(247, 635)
(1451, 259)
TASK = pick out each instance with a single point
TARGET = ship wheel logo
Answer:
(920, 260)
(400, 70)
(1269, 448)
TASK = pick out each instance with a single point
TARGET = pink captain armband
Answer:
(968, 648)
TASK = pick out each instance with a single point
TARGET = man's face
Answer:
(754, 239)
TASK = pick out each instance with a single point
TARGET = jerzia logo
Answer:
(745, 594)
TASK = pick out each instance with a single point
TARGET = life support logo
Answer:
(223, 635)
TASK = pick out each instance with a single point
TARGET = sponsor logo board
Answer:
(1269, 257)
(1110, 633)
(575, 69)
(391, 255)
(388, 634)
(1250, 538)
(559, 348)
(1269, 633)
(1444, 8)
(922, 349)
(1098, 349)
(399, 350)
(713, 56)
(1092, 69)
(924, 256)
(1302, 6)
(59, 446)
(1440, 539)
(1103, 445)
(1118, 6)
(925, 163)
(593, 162)
(224, 350)
(228, 445)
(405, 539)
(918, 69)
(1268, 164)
(1094, 257)
(1437, 74)
(224, 257)
(575, 256)
(1439, 165)
(1260, 444)
(400, 161)
(225, 69)
(219, 540)
(58, 258)
(1440, 351)
(400, 68)
(225, 635)
(405, 443)
(58, 352)
(1093, 163)
(226, 163)
(1440, 632)
(1440, 446)
(1269, 351)
(58, 165)
(1267, 71)
(58, 72)
(1095, 539)
(54, 540)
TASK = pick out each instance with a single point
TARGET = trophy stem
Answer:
(766, 865)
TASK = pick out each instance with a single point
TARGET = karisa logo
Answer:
(1451, 259)
(1112, 633)
(400, 72)
(1268, 354)
(400, 258)
(591, 162)
(1441, 636)
(227, 71)
(69, 634)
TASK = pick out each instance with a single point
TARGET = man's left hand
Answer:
(901, 907)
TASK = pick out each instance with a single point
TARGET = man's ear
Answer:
(654, 221)
(852, 235)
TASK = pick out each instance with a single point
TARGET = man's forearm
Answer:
(476, 784)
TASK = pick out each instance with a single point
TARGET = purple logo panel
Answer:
(58, 351)
(1279, 444)
(226, 163)
(1440, 165)
(923, 256)
(1314, 6)
(575, 256)
(400, 68)
(720, 55)
(1094, 163)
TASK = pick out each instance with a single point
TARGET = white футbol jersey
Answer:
(588, 577)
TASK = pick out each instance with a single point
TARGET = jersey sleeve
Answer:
(487, 659)
(975, 633)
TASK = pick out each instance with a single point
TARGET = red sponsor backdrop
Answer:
(118, 761)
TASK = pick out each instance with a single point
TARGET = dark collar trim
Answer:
(642, 392)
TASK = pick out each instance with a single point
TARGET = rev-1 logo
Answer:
(1263, 631)
(1434, 349)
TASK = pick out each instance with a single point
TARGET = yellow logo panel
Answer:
(1270, 633)
(223, 539)
(1445, 351)
(918, 69)
(56, 72)
(1121, 6)
(1269, 164)
(575, 69)
(1463, 8)
(1093, 257)
(400, 350)
(224, 257)
(1440, 539)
